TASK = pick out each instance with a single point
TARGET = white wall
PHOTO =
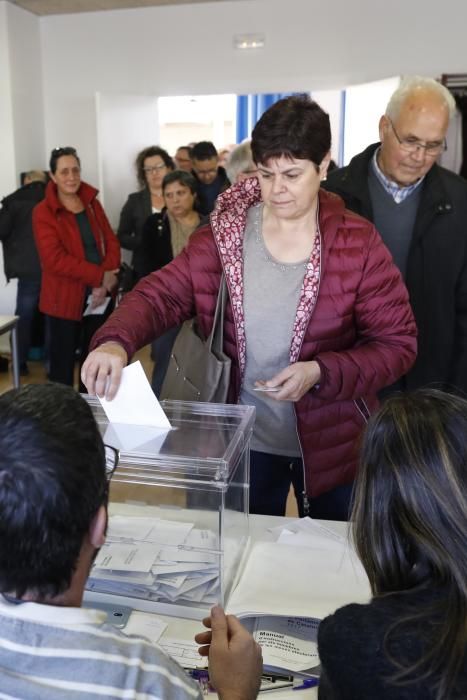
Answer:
(22, 145)
(364, 105)
(125, 125)
(187, 49)
(331, 102)
(26, 89)
(7, 150)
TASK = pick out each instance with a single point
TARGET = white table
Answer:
(185, 628)
(10, 323)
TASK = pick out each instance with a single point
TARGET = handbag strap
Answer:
(101, 233)
(216, 336)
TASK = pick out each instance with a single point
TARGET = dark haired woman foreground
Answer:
(317, 322)
(410, 531)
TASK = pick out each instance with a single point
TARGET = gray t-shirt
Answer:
(271, 294)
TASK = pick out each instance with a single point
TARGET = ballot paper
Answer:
(97, 310)
(128, 438)
(144, 625)
(165, 532)
(184, 652)
(135, 402)
(159, 560)
(126, 557)
(305, 532)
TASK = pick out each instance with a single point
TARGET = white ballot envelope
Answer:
(135, 402)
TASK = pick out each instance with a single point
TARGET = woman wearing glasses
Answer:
(80, 258)
(152, 165)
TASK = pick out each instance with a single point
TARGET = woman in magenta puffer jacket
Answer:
(318, 319)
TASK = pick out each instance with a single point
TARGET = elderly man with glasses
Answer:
(54, 477)
(420, 210)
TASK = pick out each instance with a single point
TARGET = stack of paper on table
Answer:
(288, 586)
(157, 559)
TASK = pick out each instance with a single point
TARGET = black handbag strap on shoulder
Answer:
(216, 336)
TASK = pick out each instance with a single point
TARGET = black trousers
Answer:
(270, 480)
(66, 338)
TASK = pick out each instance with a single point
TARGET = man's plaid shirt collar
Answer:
(397, 193)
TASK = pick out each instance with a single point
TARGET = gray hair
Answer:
(36, 176)
(240, 160)
(416, 82)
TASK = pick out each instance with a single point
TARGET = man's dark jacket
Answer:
(436, 268)
(20, 256)
(222, 182)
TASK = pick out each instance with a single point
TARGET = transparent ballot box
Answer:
(178, 509)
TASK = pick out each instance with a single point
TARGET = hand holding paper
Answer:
(102, 369)
(235, 662)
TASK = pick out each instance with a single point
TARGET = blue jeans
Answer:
(270, 479)
(27, 300)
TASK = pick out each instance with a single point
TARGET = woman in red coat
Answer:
(80, 258)
(318, 319)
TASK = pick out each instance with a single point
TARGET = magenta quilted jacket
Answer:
(359, 326)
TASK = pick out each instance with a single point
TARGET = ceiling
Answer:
(62, 7)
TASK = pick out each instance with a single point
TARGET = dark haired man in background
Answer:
(211, 178)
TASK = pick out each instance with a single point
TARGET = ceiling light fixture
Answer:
(248, 41)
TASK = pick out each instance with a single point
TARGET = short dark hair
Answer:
(58, 153)
(410, 525)
(182, 177)
(149, 152)
(52, 483)
(294, 127)
(203, 150)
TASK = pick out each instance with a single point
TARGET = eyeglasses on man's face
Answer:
(155, 168)
(112, 456)
(412, 145)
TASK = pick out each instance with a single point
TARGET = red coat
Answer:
(65, 271)
(360, 328)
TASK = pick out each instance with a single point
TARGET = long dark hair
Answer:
(410, 527)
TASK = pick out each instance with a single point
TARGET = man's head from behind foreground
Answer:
(413, 129)
(52, 484)
(205, 161)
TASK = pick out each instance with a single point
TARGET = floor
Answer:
(37, 375)
(37, 372)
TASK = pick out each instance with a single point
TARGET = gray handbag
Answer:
(198, 368)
